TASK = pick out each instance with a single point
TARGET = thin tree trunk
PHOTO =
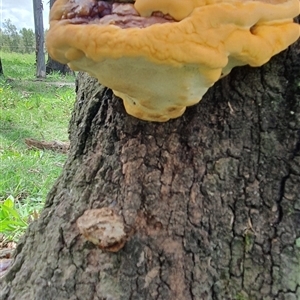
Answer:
(39, 38)
(1, 68)
(210, 201)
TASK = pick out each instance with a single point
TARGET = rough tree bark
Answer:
(212, 198)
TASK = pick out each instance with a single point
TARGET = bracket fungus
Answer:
(161, 56)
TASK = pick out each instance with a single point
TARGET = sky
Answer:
(20, 12)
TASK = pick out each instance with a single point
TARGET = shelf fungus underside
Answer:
(161, 56)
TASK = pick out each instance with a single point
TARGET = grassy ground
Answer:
(29, 109)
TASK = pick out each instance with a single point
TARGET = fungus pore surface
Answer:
(161, 56)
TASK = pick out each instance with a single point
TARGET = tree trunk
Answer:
(39, 38)
(55, 66)
(1, 68)
(210, 201)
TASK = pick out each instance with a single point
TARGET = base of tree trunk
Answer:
(54, 66)
(209, 202)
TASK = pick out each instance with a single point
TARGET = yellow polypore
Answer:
(161, 69)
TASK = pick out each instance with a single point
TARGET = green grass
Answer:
(22, 66)
(18, 65)
(29, 108)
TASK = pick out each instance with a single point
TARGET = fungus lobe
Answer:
(161, 56)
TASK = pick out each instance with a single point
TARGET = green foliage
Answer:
(28, 39)
(12, 220)
(241, 296)
(16, 216)
(36, 109)
(12, 40)
(249, 239)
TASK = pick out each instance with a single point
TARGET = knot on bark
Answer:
(104, 228)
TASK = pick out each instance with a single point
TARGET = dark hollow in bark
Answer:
(212, 198)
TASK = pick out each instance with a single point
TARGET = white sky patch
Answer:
(21, 13)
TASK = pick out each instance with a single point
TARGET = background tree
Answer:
(13, 41)
(39, 38)
(210, 200)
(28, 40)
(10, 38)
(1, 68)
